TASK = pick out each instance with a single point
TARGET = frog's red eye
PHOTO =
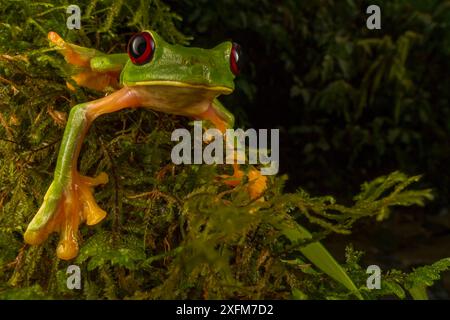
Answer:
(236, 59)
(141, 48)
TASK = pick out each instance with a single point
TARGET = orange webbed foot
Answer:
(256, 185)
(74, 206)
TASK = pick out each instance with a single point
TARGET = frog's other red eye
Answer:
(141, 48)
(236, 59)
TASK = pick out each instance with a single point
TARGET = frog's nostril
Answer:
(141, 48)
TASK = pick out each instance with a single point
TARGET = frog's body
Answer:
(157, 75)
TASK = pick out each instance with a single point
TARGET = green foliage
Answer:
(396, 283)
(172, 231)
(424, 277)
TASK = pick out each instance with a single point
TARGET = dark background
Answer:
(351, 104)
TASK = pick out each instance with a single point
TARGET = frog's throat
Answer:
(218, 89)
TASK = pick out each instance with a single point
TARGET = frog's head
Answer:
(153, 61)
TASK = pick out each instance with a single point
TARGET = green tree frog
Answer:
(157, 75)
(152, 74)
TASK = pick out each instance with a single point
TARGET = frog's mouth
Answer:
(180, 84)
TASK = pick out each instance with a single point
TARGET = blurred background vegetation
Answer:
(351, 103)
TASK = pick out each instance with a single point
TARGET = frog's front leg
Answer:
(91, 68)
(69, 200)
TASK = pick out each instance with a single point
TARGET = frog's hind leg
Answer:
(69, 200)
(222, 119)
(90, 68)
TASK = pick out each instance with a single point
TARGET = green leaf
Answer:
(419, 293)
(321, 258)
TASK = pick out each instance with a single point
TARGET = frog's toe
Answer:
(75, 55)
(256, 185)
(91, 212)
(82, 73)
(44, 221)
(56, 39)
(64, 212)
